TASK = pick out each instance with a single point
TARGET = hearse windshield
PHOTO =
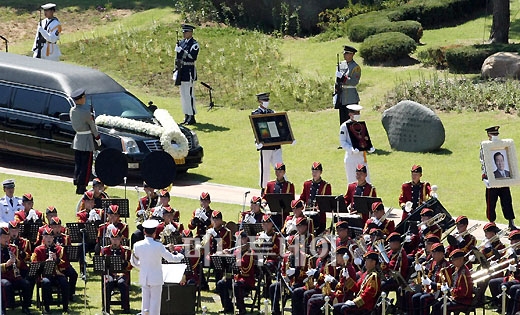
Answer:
(119, 104)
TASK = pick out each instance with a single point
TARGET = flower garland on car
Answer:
(167, 133)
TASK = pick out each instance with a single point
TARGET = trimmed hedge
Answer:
(385, 47)
(365, 25)
(469, 59)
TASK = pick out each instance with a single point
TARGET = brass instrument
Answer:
(309, 281)
(16, 271)
(326, 290)
(438, 218)
(380, 246)
(494, 238)
(470, 230)
(485, 274)
(147, 212)
(385, 216)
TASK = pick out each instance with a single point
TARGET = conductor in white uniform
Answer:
(9, 204)
(147, 257)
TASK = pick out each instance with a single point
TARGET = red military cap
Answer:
(438, 247)
(457, 253)
(427, 212)
(51, 209)
(342, 225)
(113, 209)
(279, 167)
(167, 209)
(394, 237)
(266, 218)
(96, 181)
(55, 221)
(13, 224)
(186, 233)
(462, 220)
(27, 197)
(205, 196)
(375, 231)
(164, 193)
(256, 200)
(316, 166)
(432, 238)
(416, 168)
(297, 204)
(115, 232)
(514, 235)
(491, 227)
(88, 195)
(324, 241)
(341, 250)
(47, 230)
(361, 168)
(216, 214)
(378, 205)
(371, 255)
(4, 230)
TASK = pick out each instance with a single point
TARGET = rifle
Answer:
(337, 88)
(178, 65)
(40, 41)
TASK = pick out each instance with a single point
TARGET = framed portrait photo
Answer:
(272, 129)
(501, 163)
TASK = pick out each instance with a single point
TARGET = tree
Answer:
(500, 27)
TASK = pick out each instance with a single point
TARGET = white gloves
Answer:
(111, 227)
(376, 221)
(139, 213)
(426, 281)
(408, 206)
(459, 238)
(249, 219)
(488, 244)
(32, 215)
(158, 212)
(93, 216)
(178, 48)
(339, 74)
(345, 273)
(407, 238)
(259, 145)
(372, 150)
(212, 232)
(366, 237)
(263, 236)
(511, 268)
(510, 252)
(98, 142)
(423, 227)
(328, 278)
(350, 303)
(445, 288)
(418, 267)
(289, 227)
(358, 261)
(471, 258)
(310, 272)
(170, 228)
(108, 278)
(345, 257)
(355, 151)
(486, 182)
(290, 272)
(177, 258)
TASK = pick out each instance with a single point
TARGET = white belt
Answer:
(83, 132)
(188, 64)
(348, 86)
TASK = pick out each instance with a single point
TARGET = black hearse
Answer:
(35, 92)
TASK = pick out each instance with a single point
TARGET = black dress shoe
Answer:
(191, 120)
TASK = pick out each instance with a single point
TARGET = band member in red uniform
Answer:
(289, 227)
(170, 229)
(143, 211)
(359, 188)
(460, 284)
(488, 248)
(427, 214)
(201, 217)
(89, 213)
(244, 280)
(120, 280)
(312, 188)
(255, 214)
(378, 210)
(23, 245)
(270, 242)
(279, 185)
(193, 255)
(26, 214)
(164, 201)
(415, 191)
(48, 251)
(113, 220)
(398, 263)
(367, 288)
(461, 239)
(98, 195)
(11, 276)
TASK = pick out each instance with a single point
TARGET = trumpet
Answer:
(438, 218)
(485, 274)
(16, 271)
(385, 216)
(470, 230)
(494, 238)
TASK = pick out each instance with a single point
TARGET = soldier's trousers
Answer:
(62, 284)
(506, 202)
(82, 168)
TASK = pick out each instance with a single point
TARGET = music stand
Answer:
(34, 269)
(281, 204)
(29, 230)
(92, 230)
(115, 264)
(252, 228)
(75, 231)
(72, 252)
(99, 263)
(415, 215)
(224, 263)
(363, 204)
(49, 267)
(121, 202)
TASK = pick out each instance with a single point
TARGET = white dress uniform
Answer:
(352, 159)
(147, 257)
(6, 210)
(50, 30)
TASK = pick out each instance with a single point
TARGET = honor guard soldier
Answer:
(461, 239)
(279, 185)
(47, 35)
(147, 257)
(201, 217)
(348, 75)
(187, 51)
(378, 221)
(460, 285)
(367, 288)
(313, 187)
(28, 213)
(359, 188)
(82, 120)
(493, 193)
(269, 155)
(11, 277)
(414, 191)
(9, 204)
(121, 280)
(289, 227)
(255, 214)
(23, 245)
(353, 138)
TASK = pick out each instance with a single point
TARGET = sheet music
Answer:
(172, 273)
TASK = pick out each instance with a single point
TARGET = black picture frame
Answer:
(358, 132)
(272, 129)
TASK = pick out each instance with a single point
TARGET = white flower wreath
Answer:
(167, 133)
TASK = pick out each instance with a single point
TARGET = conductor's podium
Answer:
(177, 299)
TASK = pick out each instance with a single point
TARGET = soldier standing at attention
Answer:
(82, 121)
(348, 76)
(187, 51)
(47, 34)
(415, 191)
(269, 155)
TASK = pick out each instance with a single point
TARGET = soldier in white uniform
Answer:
(82, 120)
(9, 204)
(47, 34)
(147, 257)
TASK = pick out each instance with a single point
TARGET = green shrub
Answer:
(388, 46)
(469, 59)
(365, 25)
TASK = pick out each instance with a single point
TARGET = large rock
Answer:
(412, 127)
(500, 65)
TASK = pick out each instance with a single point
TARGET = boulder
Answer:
(412, 127)
(501, 65)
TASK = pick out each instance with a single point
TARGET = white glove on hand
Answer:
(408, 238)
(366, 237)
(418, 267)
(108, 278)
(511, 268)
(139, 213)
(372, 150)
(345, 257)
(177, 258)
(171, 228)
(345, 273)
(158, 212)
(488, 244)
(408, 206)
(459, 239)
(290, 227)
(445, 287)
(212, 232)
(249, 219)
(263, 236)
(355, 151)
(423, 227)
(329, 278)
(178, 48)
(339, 74)
(350, 303)
(290, 272)
(358, 261)
(426, 281)
(98, 142)
(93, 216)
(259, 145)
(110, 227)
(32, 215)
(486, 182)
(471, 258)
(310, 272)
(510, 252)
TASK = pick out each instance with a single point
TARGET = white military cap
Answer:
(8, 183)
(355, 107)
(48, 6)
(150, 224)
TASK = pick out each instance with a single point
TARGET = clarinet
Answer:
(16, 271)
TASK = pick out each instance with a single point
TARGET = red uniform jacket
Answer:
(324, 188)
(258, 216)
(121, 226)
(41, 253)
(24, 251)
(144, 203)
(462, 285)
(285, 187)
(342, 292)
(8, 272)
(223, 236)
(406, 195)
(310, 224)
(490, 251)
(178, 228)
(271, 248)
(387, 226)
(397, 262)
(20, 216)
(290, 261)
(368, 190)
(201, 226)
(40, 233)
(367, 289)
(438, 273)
(468, 242)
(247, 267)
(123, 251)
(82, 216)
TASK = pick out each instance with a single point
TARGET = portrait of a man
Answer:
(502, 167)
